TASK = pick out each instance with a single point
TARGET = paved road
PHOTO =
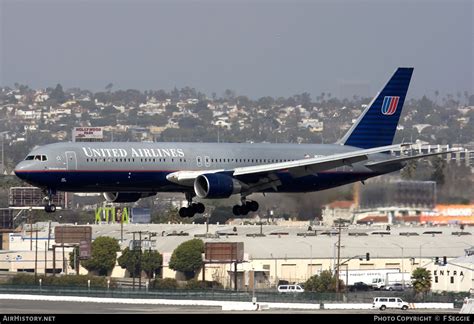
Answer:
(50, 307)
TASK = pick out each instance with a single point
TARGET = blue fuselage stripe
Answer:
(155, 181)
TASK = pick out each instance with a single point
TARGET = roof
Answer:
(341, 204)
(294, 246)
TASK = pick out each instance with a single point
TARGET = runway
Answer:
(66, 307)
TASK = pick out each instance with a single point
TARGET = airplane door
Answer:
(207, 161)
(71, 160)
(198, 161)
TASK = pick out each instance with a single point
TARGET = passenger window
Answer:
(391, 300)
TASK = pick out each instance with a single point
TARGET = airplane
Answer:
(127, 171)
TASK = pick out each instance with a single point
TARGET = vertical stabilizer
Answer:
(378, 123)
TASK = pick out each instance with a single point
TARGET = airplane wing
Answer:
(298, 168)
(376, 165)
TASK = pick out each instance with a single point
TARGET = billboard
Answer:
(87, 134)
(26, 197)
(413, 194)
(141, 216)
(72, 234)
(224, 252)
(85, 250)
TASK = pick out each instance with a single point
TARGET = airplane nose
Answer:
(20, 170)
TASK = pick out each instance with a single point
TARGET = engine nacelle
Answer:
(125, 197)
(215, 185)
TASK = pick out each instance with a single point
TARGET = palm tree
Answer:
(421, 280)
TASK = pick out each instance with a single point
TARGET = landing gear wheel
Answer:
(192, 208)
(200, 208)
(236, 210)
(252, 205)
(50, 208)
(183, 212)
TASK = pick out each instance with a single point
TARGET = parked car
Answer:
(360, 286)
(383, 303)
(395, 287)
(284, 282)
(290, 289)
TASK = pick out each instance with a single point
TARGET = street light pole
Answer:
(419, 265)
(276, 273)
(403, 271)
(338, 256)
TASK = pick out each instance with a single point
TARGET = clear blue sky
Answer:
(256, 48)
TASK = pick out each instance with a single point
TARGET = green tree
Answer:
(438, 164)
(72, 257)
(104, 255)
(152, 262)
(129, 261)
(324, 282)
(409, 171)
(421, 280)
(58, 94)
(187, 258)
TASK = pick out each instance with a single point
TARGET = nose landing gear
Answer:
(50, 207)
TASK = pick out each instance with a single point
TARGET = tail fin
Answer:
(378, 123)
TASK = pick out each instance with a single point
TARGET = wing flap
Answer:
(381, 164)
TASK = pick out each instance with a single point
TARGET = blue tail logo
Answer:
(389, 106)
(377, 125)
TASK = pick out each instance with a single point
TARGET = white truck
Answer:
(392, 278)
(375, 277)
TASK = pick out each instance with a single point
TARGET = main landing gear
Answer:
(245, 208)
(50, 207)
(193, 208)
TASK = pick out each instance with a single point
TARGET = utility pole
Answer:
(137, 248)
(64, 261)
(140, 262)
(121, 229)
(134, 266)
(3, 160)
(31, 230)
(49, 234)
(338, 255)
(36, 255)
(45, 258)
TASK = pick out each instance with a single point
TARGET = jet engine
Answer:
(125, 197)
(215, 185)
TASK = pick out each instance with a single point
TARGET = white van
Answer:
(290, 289)
(383, 303)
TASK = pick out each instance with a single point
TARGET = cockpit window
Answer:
(37, 157)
